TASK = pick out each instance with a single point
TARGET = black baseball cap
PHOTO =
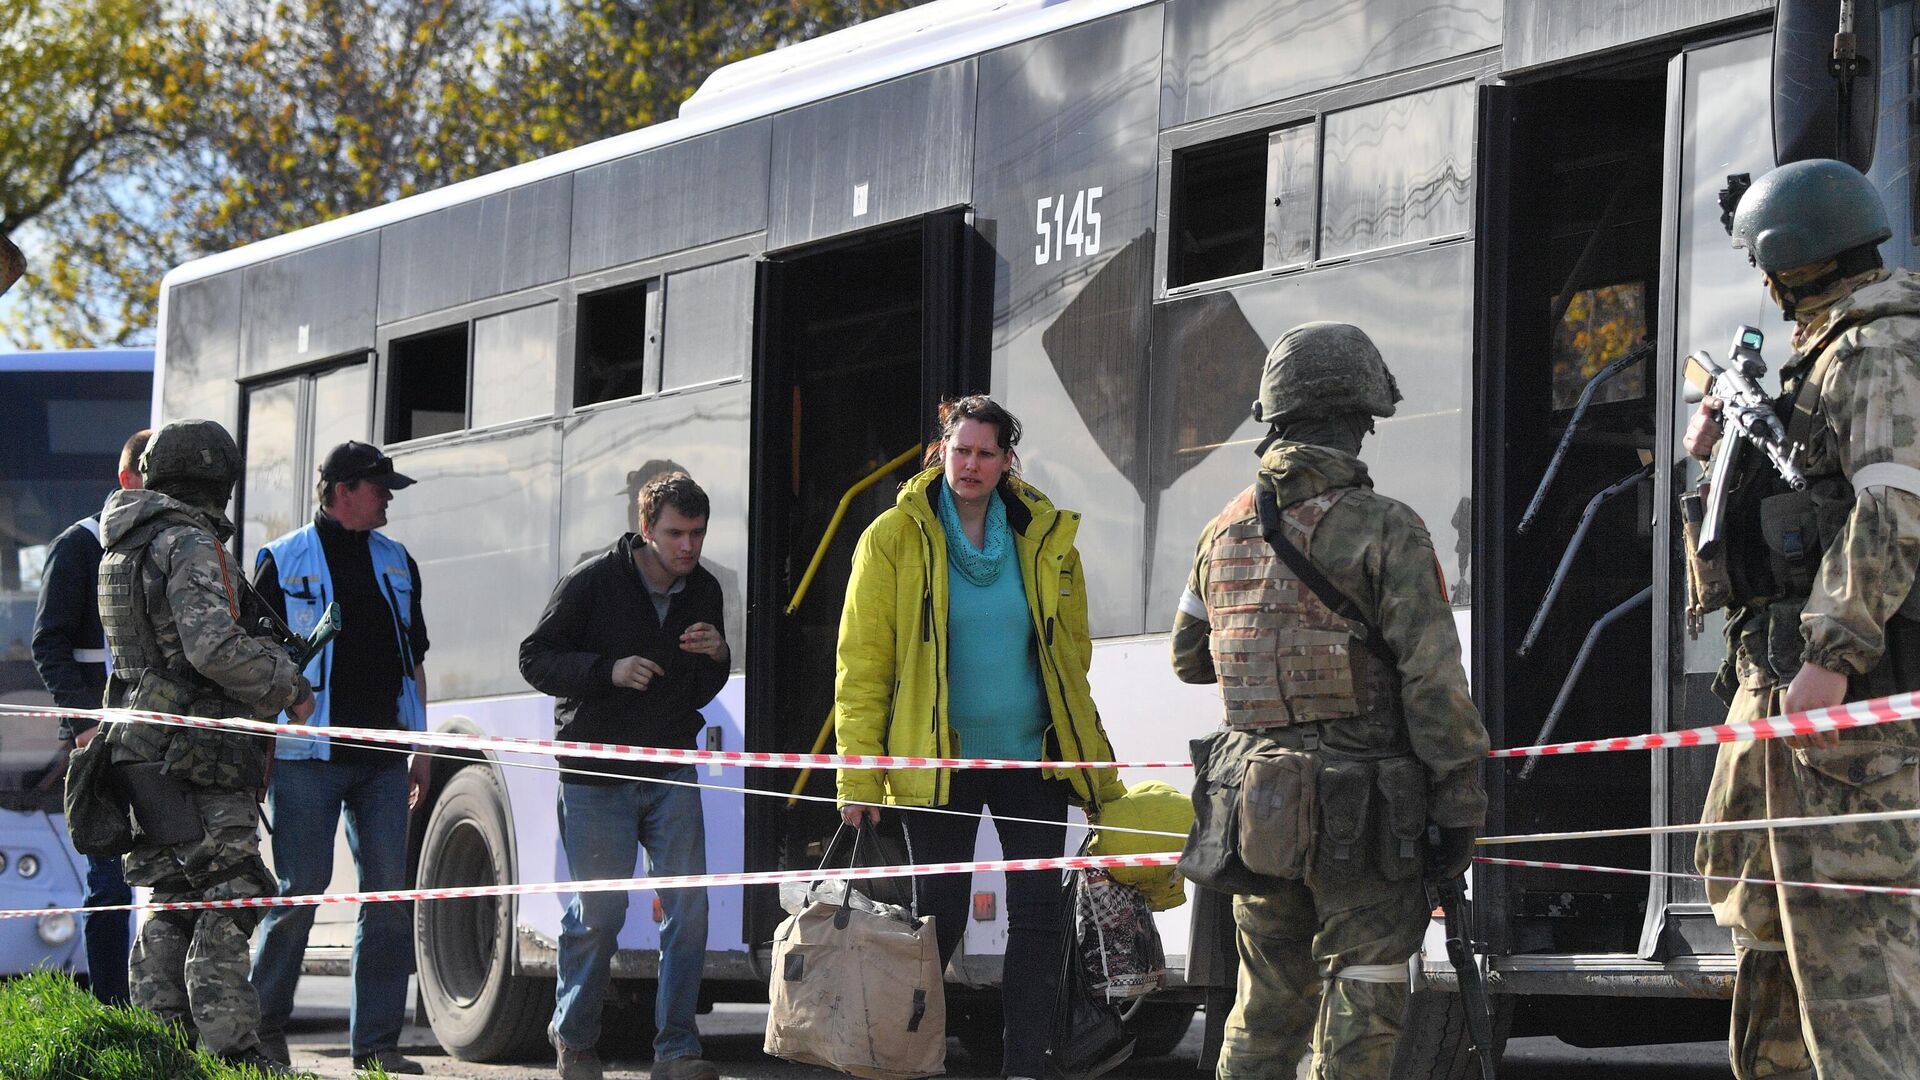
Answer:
(361, 461)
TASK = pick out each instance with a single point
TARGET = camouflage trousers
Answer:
(1323, 970)
(191, 967)
(1828, 983)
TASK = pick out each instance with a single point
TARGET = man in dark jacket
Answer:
(633, 644)
(70, 651)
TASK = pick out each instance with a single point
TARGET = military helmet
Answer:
(199, 453)
(1807, 212)
(1324, 369)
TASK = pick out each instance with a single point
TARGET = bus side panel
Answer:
(1227, 55)
(1064, 190)
(200, 362)
(533, 794)
(1544, 31)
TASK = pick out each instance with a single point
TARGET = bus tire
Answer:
(478, 1007)
(1434, 1044)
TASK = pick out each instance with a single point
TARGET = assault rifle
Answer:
(301, 650)
(1747, 417)
(1450, 897)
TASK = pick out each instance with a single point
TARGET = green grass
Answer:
(51, 1029)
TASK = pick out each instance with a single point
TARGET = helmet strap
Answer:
(1818, 285)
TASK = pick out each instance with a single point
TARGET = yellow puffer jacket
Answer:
(890, 691)
(1162, 808)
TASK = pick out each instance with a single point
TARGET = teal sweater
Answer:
(995, 702)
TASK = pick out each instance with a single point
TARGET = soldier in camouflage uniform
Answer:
(173, 626)
(1828, 983)
(1323, 961)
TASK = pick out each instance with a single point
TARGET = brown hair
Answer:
(675, 489)
(987, 411)
(136, 445)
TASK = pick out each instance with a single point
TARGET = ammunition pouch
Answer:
(1373, 816)
(163, 806)
(1709, 585)
(1797, 527)
(227, 760)
(1402, 783)
(1784, 643)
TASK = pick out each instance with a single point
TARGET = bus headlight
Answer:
(3, 862)
(56, 928)
(29, 866)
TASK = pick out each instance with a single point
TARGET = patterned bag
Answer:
(1120, 954)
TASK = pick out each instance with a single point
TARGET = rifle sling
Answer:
(1339, 602)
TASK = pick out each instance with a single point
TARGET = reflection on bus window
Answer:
(1600, 326)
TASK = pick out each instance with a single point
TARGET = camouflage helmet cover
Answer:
(1324, 369)
(1807, 212)
(195, 452)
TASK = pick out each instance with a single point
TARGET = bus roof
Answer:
(77, 360)
(865, 54)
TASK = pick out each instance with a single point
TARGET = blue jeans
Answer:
(109, 934)
(601, 825)
(306, 799)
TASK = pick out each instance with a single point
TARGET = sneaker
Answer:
(390, 1062)
(571, 1064)
(689, 1068)
(275, 1046)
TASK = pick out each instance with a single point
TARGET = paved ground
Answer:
(733, 1035)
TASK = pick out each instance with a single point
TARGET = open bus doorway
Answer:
(859, 340)
(1574, 623)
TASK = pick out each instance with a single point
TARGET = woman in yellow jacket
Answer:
(965, 635)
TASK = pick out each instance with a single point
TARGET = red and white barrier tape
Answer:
(1829, 886)
(604, 751)
(684, 881)
(1858, 714)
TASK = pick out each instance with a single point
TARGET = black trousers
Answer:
(1031, 974)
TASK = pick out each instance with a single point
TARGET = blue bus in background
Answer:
(63, 419)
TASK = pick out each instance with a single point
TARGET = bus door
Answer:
(1718, 113)
(1604, 262)
(859, 338)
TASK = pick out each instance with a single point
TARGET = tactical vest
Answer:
(146, 675)
(1281, 655)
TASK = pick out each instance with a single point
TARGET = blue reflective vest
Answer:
(307, 584)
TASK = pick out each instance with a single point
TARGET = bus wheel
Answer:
(479, 1009)
(1158, 1027)
(1434, 1044)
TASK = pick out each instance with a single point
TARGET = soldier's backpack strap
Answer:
(1329, 593)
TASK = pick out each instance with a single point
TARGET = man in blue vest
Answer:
(70, 651)
(370, 676)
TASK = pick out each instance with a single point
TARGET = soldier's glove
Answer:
(1449, 851)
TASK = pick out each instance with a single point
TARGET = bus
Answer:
(1102, 212)
(65, 416)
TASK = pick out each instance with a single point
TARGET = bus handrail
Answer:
(839, 512)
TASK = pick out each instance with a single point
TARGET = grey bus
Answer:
(1101, 211)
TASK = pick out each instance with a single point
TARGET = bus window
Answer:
(515, 357)
(1293, 160)
(1218, 222)
(427, 384)
(707, 340)
(1398, 171)
(1600, 326)
(618, 331)
(271, 499)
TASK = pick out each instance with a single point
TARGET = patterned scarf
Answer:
(980, 566)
